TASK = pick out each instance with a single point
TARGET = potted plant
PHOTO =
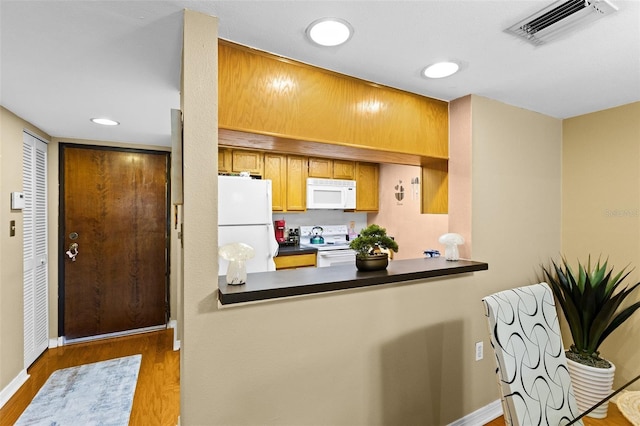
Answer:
(591, 301)
(369, 246)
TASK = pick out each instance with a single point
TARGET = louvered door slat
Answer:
(27, 212)
(41, 333)
(34, 172)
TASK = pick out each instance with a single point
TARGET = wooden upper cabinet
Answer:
(367, 186)
(296, 183)
(343, 169)
(275, 169)
(263, 93)
(247, 161)
(331, 169)
(224, 160)
(320, 168)
(435, 188)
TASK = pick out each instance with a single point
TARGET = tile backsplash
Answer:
(323, 217)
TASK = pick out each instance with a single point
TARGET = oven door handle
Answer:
(337, 253)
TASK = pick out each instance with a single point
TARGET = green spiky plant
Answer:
(370, 238)
(590, 301)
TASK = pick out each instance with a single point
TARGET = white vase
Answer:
(237, 272)
(590, 385)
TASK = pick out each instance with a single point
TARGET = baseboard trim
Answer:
(173, 324)
(109, 335)
(481, 416)
(54, 343)
(12, 388)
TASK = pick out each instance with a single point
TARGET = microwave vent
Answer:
(559, 18)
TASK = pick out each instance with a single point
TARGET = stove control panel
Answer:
(331, 234)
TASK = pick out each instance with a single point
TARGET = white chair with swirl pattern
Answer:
(531, 364)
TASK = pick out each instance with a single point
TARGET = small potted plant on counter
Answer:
(369, 246)
(591, 300)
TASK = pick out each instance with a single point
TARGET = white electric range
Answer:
(333, 244)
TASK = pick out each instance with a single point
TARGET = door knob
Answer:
(73, 251)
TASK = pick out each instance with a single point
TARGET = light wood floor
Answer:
(614, 418)
(157, 397)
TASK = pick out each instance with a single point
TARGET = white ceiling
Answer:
(63, 62)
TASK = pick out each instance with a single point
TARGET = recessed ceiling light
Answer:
(329, 31)
(104, 121)
(441, 69)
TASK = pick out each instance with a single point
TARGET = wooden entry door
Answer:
(114, 216)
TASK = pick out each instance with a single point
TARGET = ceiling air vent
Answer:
(559, 17)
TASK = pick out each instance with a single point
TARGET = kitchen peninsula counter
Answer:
(297, 282)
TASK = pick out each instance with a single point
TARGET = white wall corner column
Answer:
(200, 213)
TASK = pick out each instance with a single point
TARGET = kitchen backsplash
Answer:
(323, 217)
(400, 213)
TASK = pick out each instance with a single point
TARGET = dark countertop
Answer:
(293, 250)
(296, 282)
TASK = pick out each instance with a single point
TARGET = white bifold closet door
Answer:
(34, 215)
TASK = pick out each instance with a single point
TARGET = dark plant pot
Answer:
(376, 262)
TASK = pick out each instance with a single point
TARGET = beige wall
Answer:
(601, 209)
(516, 185)
(401, 354)
(201, 370)
(515, 205)
(11, 279)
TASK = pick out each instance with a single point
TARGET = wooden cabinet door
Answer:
(295, 261)
(224, 160)
(275, 168)
(344, 169)
(366, 187)
(435, 187)
(247, 161)
(320, 168)
(296, 183)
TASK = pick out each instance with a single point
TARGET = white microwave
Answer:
(331, 194)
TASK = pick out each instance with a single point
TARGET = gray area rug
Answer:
(92, 394)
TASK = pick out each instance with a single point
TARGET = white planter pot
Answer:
(590, 385)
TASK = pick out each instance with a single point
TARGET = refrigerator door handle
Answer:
(272, 240)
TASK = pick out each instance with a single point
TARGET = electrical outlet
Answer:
(479, 351)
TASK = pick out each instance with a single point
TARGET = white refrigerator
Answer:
(244, 216)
